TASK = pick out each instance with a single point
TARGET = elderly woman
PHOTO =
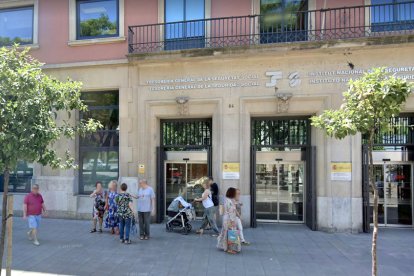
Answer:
(232, 245)
(98, 206)
(112, 220)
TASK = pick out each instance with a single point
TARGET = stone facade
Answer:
(231, 86)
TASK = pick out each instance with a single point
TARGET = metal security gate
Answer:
(182, 142)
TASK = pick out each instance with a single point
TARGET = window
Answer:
(280, 132)
(182, 133)
(99, 151)
(392, 15)
(20, 179)
(16, 26)
(184, 35)
(283, 20)
(97, 18)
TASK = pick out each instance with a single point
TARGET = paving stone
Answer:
(67, 247)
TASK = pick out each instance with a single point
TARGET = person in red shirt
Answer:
(33, 208)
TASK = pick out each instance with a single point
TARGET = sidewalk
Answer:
(68, 248)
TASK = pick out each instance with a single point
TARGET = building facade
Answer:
(191, 88)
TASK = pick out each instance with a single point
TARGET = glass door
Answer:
(185, 179)
(394, 184)
(280, 192)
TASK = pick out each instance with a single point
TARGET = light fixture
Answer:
(181, 100)
(284, 96)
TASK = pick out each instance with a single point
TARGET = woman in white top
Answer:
(209, 210)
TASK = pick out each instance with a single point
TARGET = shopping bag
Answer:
(233, 240)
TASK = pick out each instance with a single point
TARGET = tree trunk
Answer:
(375, 209)
(4, 215)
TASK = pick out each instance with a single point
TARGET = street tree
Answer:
(369, 104)
(36, 112)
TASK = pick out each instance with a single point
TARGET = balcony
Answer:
(303, 26)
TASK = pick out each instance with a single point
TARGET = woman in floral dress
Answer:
(229, 223)
(111, 220)
(125, 213)
(98, 206)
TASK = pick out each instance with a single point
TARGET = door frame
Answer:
(278, 220)
(179, 162)
(160, 175)
(385, 224)
(309, 153)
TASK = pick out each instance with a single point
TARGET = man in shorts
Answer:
(33, 208)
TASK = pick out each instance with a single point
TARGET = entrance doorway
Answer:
(185, 177)
(280, 191)
(183, 161)
(283, 172)
(394, 183)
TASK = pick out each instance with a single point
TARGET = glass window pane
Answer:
(383, 12)
(405, 10)
(20, 179)
(109, 118)
(100, 98)
(98, 166)
(98, 18)
(174, 11)
(194, 11)
(101, 139)
(16, 26)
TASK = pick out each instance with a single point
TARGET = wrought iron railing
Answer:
(311, 25)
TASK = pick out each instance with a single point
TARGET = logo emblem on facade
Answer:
(294, 79)
(274, 77)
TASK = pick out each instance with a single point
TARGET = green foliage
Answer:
(35, 112)
(98, 26)
(368, 105)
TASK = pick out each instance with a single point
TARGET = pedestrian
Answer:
(98, 206)
(125, 213)
(215, 196)
(209, 210)
(33, 208)
(239, 206)
(111, 220)
(146, 207)
(229, 239)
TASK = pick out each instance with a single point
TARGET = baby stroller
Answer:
(180, 213)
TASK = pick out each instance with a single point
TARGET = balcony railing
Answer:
(313, 25)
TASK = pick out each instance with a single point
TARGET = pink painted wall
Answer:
(223, 8)
(338, 4)
(54, 32)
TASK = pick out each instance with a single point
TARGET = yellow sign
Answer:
(141, 169)
(341, 171)
(231, 170)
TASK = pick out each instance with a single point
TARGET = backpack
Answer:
(215, 194)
